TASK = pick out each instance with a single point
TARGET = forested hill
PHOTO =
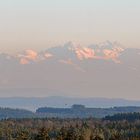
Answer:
(124, 116)
(6, 113)
(76, 111)
(81, 111)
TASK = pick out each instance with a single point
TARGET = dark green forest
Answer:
(123, 126)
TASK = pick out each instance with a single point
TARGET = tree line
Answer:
(72, 129)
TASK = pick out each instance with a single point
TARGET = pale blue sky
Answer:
(39, 24)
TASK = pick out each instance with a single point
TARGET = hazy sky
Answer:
(39, 24)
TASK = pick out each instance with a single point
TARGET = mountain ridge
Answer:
(108, 70)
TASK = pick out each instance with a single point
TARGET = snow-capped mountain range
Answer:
(98, 70)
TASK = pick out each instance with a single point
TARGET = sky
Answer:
(39, 24)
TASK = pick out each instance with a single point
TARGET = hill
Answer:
(76, 111)
(80, 111)
(124, 116)
(6, 113)
(60, 102)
